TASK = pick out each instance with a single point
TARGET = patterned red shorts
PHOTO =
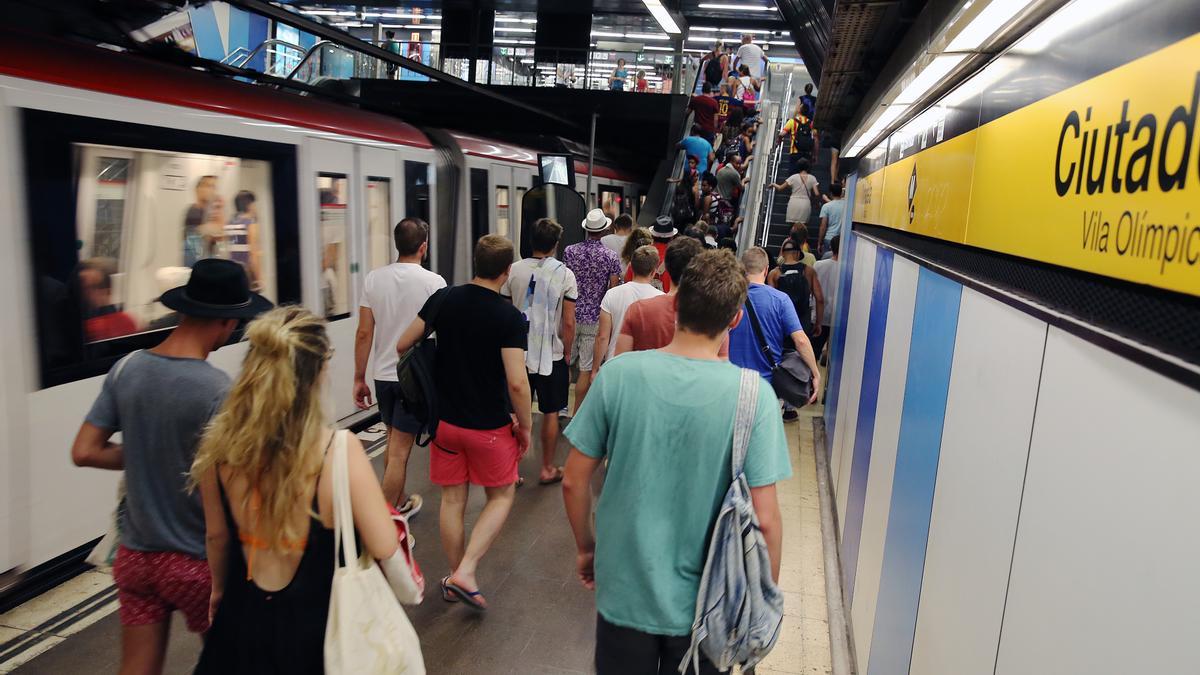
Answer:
(150, 585)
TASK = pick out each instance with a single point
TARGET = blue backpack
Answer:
(739, 610)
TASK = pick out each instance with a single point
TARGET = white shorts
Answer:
(585, 345)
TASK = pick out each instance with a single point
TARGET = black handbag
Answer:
(790, 377)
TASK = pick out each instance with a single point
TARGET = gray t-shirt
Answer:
(161, 405)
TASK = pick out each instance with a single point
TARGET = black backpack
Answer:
(793, 282)
(683, 208)
(416, 375)
(712, 71)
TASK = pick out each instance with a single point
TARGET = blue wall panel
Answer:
(865, 425)
(838, 345)
(935, 324)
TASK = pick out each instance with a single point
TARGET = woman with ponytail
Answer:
(264, 474)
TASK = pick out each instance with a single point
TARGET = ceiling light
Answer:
(655, 48)
(604, 33)
(349, 24)
(647, 36)
(986, 24)
(662, 16)
(511, 41)
(319, 12)
(929, 77)
(515, 30)
(738, 8)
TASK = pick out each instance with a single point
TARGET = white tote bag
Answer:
(367, 632)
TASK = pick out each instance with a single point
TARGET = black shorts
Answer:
(391, 411)
(552, 390)
(625, 651)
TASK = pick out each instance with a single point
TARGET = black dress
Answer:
(261, 632)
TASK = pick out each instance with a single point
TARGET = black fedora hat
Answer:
(664, 227)
(217, 289)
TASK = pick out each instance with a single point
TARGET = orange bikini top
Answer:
(255, 543)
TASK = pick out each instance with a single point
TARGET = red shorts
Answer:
(151, 584)
(484, 457)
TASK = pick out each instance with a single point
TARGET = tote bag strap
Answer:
(743, 421)
(343, 514)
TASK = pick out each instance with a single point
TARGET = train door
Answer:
(503, 207)
(417, 197)
(610, 200)
(330, 215)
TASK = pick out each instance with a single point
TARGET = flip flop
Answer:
(447, 596)
(470, 598)
(558, 476)
(520, 482)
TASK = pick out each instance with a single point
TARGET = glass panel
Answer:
(610, 202)
(379, 221)
(416, 190)
(479, 204)
(144, 217)
(502, 210)
(332, 189)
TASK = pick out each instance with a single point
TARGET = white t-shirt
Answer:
(614, 242)
(751, 55)
(828, 278)
(394, 294)
(617, 301)
(562, 286)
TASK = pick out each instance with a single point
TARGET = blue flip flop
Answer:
(470, 598)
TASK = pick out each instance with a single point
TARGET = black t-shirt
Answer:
(473, 325)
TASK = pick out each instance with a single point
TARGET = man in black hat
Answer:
(161, 399)
(664, 231)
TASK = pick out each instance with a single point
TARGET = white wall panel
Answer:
(1104, 577)
(852, 370)
(892, 375)
(985, 442)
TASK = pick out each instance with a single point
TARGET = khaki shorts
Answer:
(585, 345)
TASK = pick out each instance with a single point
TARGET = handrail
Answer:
(759, 172)
(777, 155)
(239, 57)
(680, 164)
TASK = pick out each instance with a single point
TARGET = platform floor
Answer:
(540, 621)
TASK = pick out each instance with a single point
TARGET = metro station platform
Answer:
(541, 619)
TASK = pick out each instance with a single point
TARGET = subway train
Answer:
(120, 171)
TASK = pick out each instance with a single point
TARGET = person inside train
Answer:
(614, 241)
(547, 292)
(596, 269)
(481, 372)
(241, 240)
(392, 296)
(202, 222)
(103, 319)
(265, 471)
(643, 552)
(617, 301)
(780, 326)
(161, 400)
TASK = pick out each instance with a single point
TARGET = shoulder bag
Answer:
(367, 632)
(790, 377)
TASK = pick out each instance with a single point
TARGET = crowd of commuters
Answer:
(227, 514)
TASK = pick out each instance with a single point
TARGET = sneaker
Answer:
(565, 413)
(411, 506)
(790, 415)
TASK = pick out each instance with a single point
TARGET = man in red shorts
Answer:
(480, 367)
(160, 400)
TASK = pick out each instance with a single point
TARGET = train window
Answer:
(610, 201)
(416, 190)
(119, 212)
(502, 210)
(379, 220)
(479, 204)
(332, 189)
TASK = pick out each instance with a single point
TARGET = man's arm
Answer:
(363, 338)
(603, 329)
(577, 497)
(411, 336)
(770, 522)
(518, 393)
(804, 348)
(814, 284)
(92, 448)
(568, 328)
(821, 231)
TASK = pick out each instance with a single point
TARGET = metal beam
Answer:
(282, 15)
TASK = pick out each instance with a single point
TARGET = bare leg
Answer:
(144, 648)
(395, 468)
(582, 384)
(487, 528)
(549, 444)
(451, 522)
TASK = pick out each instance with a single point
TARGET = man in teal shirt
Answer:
(664, 421)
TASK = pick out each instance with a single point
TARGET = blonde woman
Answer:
(264, 473)
(639, 237)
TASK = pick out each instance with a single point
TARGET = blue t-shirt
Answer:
(835, 211)
(778, 317)
(665, 424)
(699, 148)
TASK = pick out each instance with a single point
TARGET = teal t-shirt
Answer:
(665, 424)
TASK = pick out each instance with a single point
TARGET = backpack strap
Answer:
(758, 333)
(743, 421)
(435, 307)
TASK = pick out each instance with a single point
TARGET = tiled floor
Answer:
(541, 620)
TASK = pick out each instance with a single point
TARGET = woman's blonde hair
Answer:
(272, 423)
(638, 238)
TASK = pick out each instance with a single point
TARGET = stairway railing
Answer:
(764, 227)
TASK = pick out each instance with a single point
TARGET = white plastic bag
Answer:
(367, 632)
